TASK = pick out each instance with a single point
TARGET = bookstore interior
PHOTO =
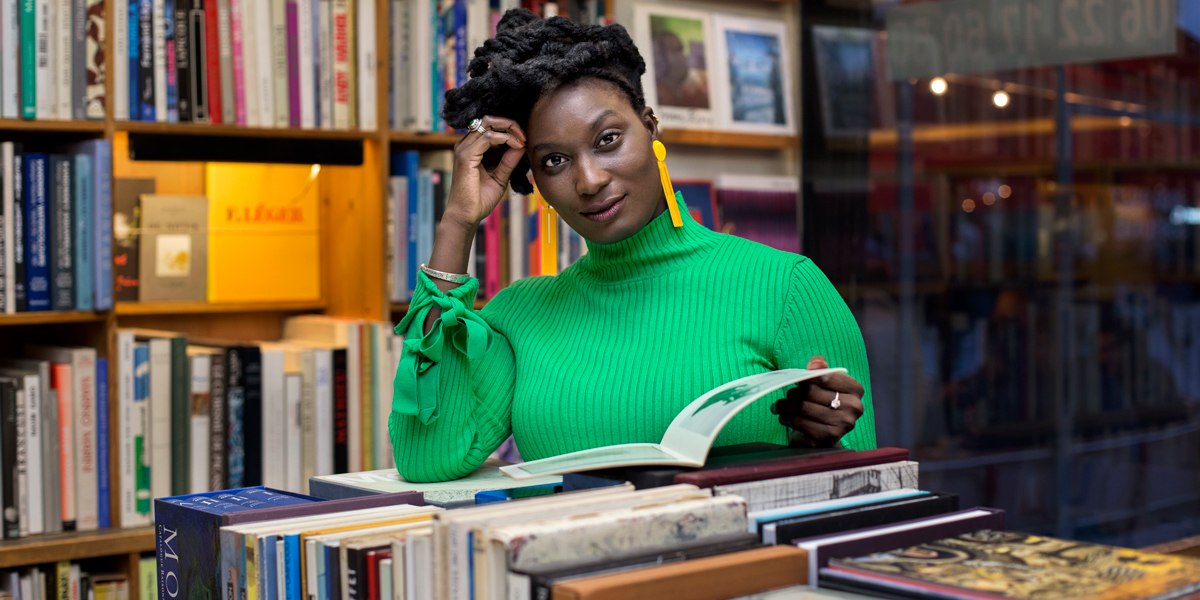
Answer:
(215, 213)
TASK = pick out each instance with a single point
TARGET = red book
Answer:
(758, 471)
(61, 382)
(212, 58)
(373, 558)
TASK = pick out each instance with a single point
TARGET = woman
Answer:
(653, 316)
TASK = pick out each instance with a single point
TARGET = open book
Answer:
(688, 437)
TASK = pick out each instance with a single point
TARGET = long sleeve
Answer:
(817, 321)
(452, 395)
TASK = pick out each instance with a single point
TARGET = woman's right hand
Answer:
(475, 191)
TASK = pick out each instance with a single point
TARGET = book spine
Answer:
(264, 40)
(183, 60)
(8, 460)
(411, 161)
(324, 422)
(325, 71)
(134, 54)
(252, 385)
(87, 504)
(279, 62)
(437, 35)
(217, 421)
(126, 455)
(67, 474)
(212, 63)
(293, 454)
(225, 50)
(59, 233)
(46, 84)
(198, 61)
(172, 51)
(366, 72)
(366, 399)
(200, 423)
(158, 49)
(51, 469)
(8, 208)
(247, 12)
(180, 417)
(160, 431)
(82, 202)
(146, 41)
(401, 65)
(20, 284)
(102, 241)
(35, 456)
(341, 64)
(29, 56)
(64, 58)
(21, 467)
(95, 70)
(237, 41)
(308, 418)
(309, 63)
(103, 505)
(341, 434)
(37, 267)
(235, 406)
(10, 59)
(141, 429)
(292, 41)
(119, 59)
(78, 97)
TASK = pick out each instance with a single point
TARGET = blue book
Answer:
(268, 573)
(145, 68)
(135, 63)
(425, 223)
(169, 37)
(406, 164)
(490, 496)
(141, 436)
(252, 498)
(36, 188)
(60, 232)
(461, 52)
(82, 201)
(291, 559)
(102, 275)
(102, 441)
(333, 571)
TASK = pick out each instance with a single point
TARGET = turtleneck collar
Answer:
(658, 248)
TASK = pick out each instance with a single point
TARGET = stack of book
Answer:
(56, 228)
(196, 417)
(54, 434)
(52, 59)
(63, 581)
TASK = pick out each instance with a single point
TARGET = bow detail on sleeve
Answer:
(415, 390)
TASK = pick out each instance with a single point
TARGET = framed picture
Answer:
(844, 79)
(701, 200)
(676, 45)
(752, 75)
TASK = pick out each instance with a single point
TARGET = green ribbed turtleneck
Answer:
(608, 351)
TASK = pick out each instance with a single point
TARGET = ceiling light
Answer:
(968, 205)
(938, 86)
(1000, 99)
(1004, 191)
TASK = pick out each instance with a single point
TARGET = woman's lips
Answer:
(606, 214)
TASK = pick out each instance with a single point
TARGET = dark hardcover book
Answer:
(183, 53)
(858, 517)
(172, 72)
(734, 473)
(78, 89)
(217, 404)
(135, 59)
(198, 61)
(60, 230)
(341, 432)
(8, 457)
(37, 261)
(742, 456)
(181, 396)
(20, 285)
(127, 219)
(252, 413)
(102, 488)
(356, 570)
(333, 569)
(145, 71)
(5, 216)
(235, 448)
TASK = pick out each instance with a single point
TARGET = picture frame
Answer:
(677, 46)
(845, 79)
(752, 75)
(701, 198)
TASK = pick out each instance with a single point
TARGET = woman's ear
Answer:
(650, 120)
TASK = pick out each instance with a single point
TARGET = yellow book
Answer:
(264, 233)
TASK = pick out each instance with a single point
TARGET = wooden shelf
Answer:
(424, 138)
(75, 545)
(52, 125)
(50, 317)
(402, 307)
(189, 308)
(234, 130)
(730, 139)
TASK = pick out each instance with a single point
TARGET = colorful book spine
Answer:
(212, 63)
(83, 202)
(279, 62)
(198, 61)
(172, 69)
(20, 253)
(37, 267)
(141, 426)
(146, 61)
(237, 40)
(183, 67)
(62, 383)
(101, 239)
(96, 61)
(28, 79)
(60, 229)
(341, 64)
(351, 63)
(235, 410)
(365, 66)
(46, 105)
(158, 48)
(225, 70)
(217, 419)
(438, 37)
(103, 506)
(134, 14)
(293, 62)
(325, 86)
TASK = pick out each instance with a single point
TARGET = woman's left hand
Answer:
(807, 407)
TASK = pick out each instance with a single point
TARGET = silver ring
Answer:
(836, 402)
(477, 127)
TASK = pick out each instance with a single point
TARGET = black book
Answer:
(341, 432)
(333, 567)
(18, 214)
(252, 416)
(785, 531)
(217, 404)
(8, 457)
(235, 448)
(61, 233)
(145, 72)
(197, 67)
(127, 220)
(357, 560)
(182, 66)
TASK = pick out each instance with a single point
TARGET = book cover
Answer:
(9, 207)
(237, 24)
(127, 213)
(279, 63)
(8, 457)
(264, 242)
(212, 64)
(103, 479)
(133, 52)
(749, 63)
(760, 208)
(141, 429)
(784, 531)
(183, 59)
(341, 49)
(800, 465)
(20, 286)
(10, 59)
(785, 491)
(146, 61)
(460, 492)
(96, 61)
(217, 421)
(63, 385)
(198, 61)
(28, 53)
(173, 263)
(60, 233)
(36, 190)
(225, 68)
(82, 203)
(119, 60)
(172, 71)
(78, 61)
(101, 233)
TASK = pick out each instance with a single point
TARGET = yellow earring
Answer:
(549, 219)
(660, 152)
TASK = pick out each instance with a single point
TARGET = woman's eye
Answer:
(608, 138)
(553, 160)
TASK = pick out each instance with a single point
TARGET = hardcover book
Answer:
(787, 491)
(784, 531)
(460, 492)
(727, 474)
(61, 233)
(127, 214)
(36, 191)
(174, 248)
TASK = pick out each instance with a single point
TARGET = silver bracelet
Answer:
(444, 276)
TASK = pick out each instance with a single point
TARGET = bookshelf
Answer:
(75, 546)
(51, 317)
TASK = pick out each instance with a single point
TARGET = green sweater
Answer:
(611, 349)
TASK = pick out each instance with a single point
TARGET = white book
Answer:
(293, 388)
(689, 436)
(479, 21)
(304, 31)
(398, 46)
(29, 427)
(10, 44)
(48, 432)
(279, 61)
(200, 423)
(225, 58)
(158, 27)
(816, 487)
(518, 250)
(245, 14)
(64, 55)
(118, 65)
(382, 336)
(26, 581)
(264, 67)
(10, 204)
(22, 463)
(126, 427)
(159, 432)
(421, 561)
(325, 53)
(45, 51)
(323, 359)
(274, 431)
(385, 579)
(308, 417)
(343, 28)
(367, 76)
(421, 28)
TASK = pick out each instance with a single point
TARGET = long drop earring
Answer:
(548, 217)
(660, 152)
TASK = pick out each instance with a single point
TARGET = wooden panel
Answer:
(45, 317)
(352, 236)
(421, 138)
(171, 177)
(263, 132)
(75, 546)
(727, 138)
(185, 308)
(231, 327)
(52, 125)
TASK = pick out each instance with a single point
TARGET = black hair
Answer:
(531, 56)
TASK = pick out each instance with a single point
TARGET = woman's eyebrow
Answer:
(601, 117)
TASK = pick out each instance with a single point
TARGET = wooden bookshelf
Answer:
(236, 131)
(41, 549)
(728, 139)
(52, 125)
(50, 317)
(197, 308)
(423, 138)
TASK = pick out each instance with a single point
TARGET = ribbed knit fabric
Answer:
(611, 349)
